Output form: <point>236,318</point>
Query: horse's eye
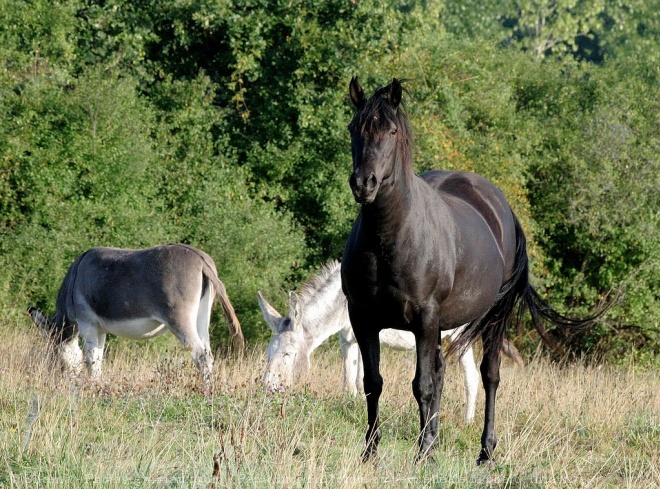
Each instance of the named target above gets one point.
<point>394,131</point>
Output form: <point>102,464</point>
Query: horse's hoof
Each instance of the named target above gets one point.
<point>369,455</point>
<point>426,458</point>
<point>483,458</point>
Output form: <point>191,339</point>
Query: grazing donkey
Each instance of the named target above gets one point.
<point>137,294</point>
<point>320,310</point>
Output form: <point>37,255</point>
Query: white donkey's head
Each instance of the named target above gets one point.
<point>288,351</point>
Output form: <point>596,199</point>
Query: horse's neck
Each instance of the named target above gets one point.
<point>325,313</point>
<point>393,205</point>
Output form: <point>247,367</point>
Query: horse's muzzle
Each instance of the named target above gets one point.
<point>364,188</point>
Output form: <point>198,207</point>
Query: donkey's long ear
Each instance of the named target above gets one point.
<point>40,319</point>
<point>295,310</point>
<point>356,92</point>
<point>272,317</point>
<point>395,92</point>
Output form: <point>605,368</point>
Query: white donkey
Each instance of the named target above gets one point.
<point>320,310</point>
<point>137,294</point>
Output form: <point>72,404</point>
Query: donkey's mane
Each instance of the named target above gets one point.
<point>310,289</point>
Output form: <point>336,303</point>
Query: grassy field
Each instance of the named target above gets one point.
<point>148,425</point>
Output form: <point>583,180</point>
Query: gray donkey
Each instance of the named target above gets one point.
<point>137,294</point>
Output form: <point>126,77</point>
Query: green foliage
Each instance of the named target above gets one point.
<point>593,194</point>
<point>223,124</point>
<point>75,174</point>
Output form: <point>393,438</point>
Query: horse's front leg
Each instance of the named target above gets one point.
<point>369,343</point>
<point>490,376</point>
<point>427,385</point>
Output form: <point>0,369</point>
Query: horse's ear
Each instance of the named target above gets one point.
<point>395,92</point>
<point>272,317</point>
<point>356,92</point>
<point>40,319</point>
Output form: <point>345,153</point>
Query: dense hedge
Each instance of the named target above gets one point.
<point>223,124</point>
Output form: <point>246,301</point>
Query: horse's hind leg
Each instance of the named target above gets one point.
<point>490,376</point>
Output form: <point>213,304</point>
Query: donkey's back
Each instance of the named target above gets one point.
<point>112,285</point>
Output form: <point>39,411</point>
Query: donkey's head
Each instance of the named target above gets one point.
<point>288,351</point>
<point>62,341</point>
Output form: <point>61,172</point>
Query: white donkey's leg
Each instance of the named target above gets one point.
<point>470,373</point>
<point>350,351</point>
<point>471,377</point>
<point>94,343</point>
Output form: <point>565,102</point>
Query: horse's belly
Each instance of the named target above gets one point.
<point>135,329</point>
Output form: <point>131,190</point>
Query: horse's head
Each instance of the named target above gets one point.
<point>379,139</point>
<point>62,341</point>
<point>288,351</point>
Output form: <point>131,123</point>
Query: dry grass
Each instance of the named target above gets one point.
<point>148,425</point>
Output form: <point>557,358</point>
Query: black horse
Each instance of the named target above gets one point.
<point>427,253</point>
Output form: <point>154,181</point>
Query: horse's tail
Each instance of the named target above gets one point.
<point>516,294</point>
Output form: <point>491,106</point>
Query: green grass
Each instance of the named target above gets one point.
<point>147,424</point>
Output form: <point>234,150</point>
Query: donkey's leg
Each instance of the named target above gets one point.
<point>183,324</point>
<point>94,343</point>
<point>369,343</point>
<point>203,321</point>
<point>71,356</point>
<point>471,381</point>
<point>490,376</point>
<point>350,351</point>
<point>427,385</point>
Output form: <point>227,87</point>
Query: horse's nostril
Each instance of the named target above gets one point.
<point>371,183</point>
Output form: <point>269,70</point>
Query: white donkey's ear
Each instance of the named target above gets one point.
<point>272,317</point>
<point>295,310</point>
<point>40,319</point>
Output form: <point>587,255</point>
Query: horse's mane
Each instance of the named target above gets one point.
<point>378,114</point>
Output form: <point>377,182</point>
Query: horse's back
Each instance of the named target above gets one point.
<point>482,196</point>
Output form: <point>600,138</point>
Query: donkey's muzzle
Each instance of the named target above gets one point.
<point>364,187</point>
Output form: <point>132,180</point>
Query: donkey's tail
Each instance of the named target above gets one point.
<point>238,342</point>
<point>515,295</point>
<point>512,352</point>
<point>211,273</point>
